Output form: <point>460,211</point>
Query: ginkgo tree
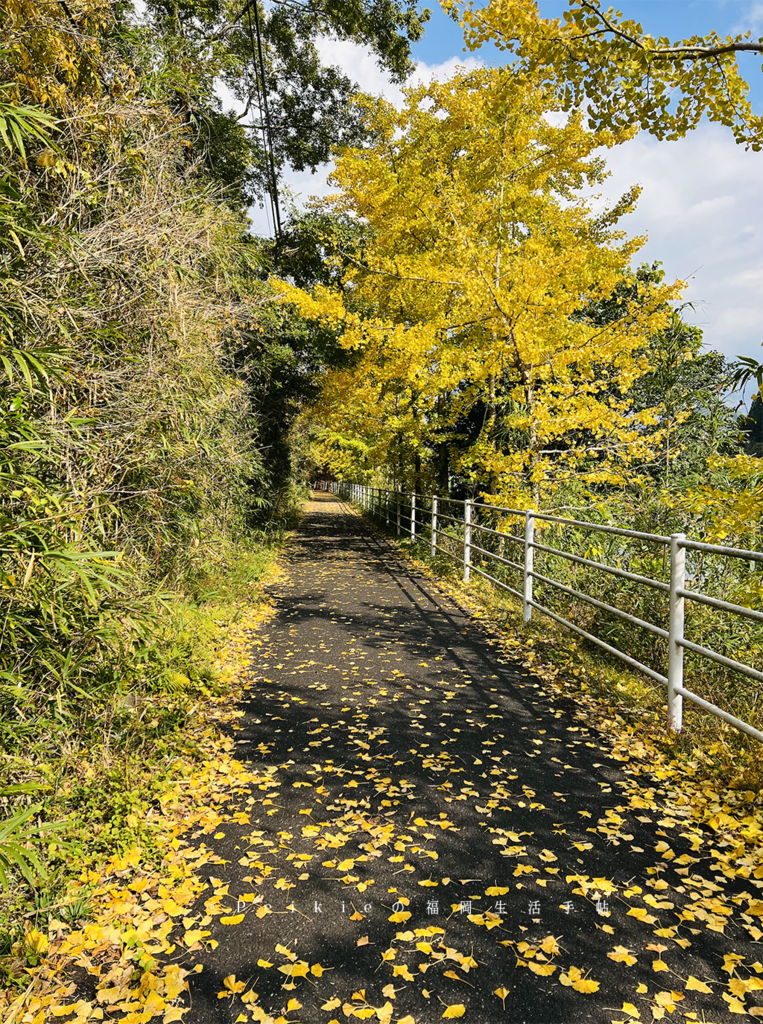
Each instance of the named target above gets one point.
<point>470,288</point>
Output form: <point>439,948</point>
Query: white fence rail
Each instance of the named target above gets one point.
<point>416,515</point>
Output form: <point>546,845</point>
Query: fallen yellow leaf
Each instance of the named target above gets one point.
<point>695,985</point>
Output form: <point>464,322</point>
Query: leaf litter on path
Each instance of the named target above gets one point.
<point>416,828</point>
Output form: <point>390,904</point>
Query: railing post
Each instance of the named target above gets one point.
<point>386,506</point>
<point>398,512</point>
<point>527,608</point>
<point>467,540</point>
<point>434,524</point>
<point>676,631</point>
<point>413,516</point>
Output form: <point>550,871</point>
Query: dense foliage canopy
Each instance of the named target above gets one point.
<point>620,73</point>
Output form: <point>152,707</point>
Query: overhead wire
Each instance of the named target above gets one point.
<point>262,102</point>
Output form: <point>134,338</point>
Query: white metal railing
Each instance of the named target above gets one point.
<point>416,514</point>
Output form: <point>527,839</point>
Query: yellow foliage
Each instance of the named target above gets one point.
<point>481,256</point>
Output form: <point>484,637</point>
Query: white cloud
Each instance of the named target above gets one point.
<point>750,21</point>
<point>360,65</point>
<point>702,211</point>
<point>711,206</point>
<point>701,206</point>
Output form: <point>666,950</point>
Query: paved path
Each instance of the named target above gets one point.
<point>432,825</point>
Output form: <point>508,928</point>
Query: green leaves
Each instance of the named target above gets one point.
<point>20,124</point>
<point>14,854</point>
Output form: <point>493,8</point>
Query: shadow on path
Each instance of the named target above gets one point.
<point>429,825</point>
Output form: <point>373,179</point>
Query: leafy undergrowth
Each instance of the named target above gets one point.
<point>124,790</point>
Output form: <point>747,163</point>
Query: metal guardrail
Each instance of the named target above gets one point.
<point>417,515</point>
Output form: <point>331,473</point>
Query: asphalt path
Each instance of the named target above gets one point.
<point>431,825</point>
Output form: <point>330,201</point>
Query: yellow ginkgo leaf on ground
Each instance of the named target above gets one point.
<point>384,1013</point>
<point>317,970</point>
<point>501,993</point>
<point>332,1004</point>
<point>659,965</point>
<point>232,985</point>
<point>631,1010</point>
<point>573,974</point>
<point>621,955</point>
<point>293,1004</point>
<point>695,985</point>
<point>264,964</point>
<point>666,999</point>
<point>407,1020</point>
<point>233,919</point>
<point>586,985</point>
<point>544,970</point>
<point>298,970</point>
<point>641,914</point>
<point>497,890</point>
<point>67,1008</point>
<point>401,971</point>
<point>574,979</point>
<point>456,1010</point>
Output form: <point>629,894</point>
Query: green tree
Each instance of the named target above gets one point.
<point>295,107</point>
<point>688,387</point>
